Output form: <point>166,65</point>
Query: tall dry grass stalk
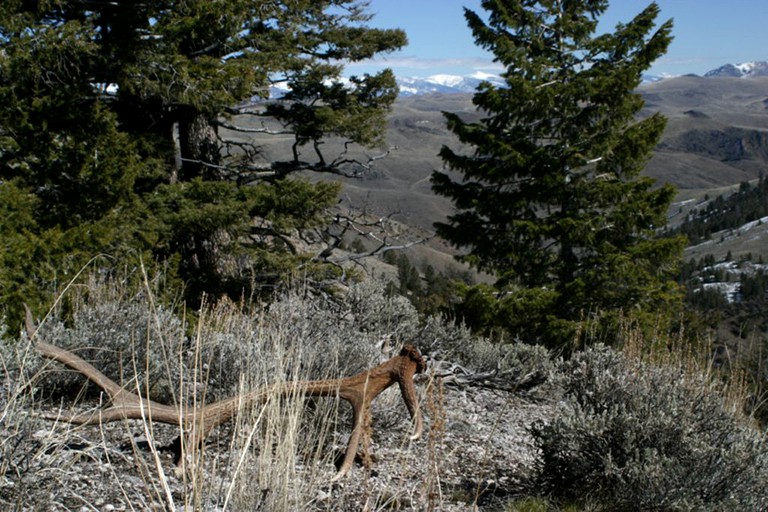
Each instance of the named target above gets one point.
<point>692,355</point>
<point>435,403</point>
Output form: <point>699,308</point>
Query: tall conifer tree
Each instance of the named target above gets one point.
<point>547,187</point>
<point>116,132</point>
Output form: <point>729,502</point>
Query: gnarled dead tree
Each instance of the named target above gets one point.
<point>197,422</point>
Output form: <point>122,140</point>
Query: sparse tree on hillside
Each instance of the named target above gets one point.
<point>550,197</point>
<point>117,134</point>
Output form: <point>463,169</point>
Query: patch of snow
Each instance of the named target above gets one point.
<point>749,225</point>
<point>408,90</point>
<point>725,265</point>
<point>729,290</point>
<point>446,80</point>
<point>745,67</point>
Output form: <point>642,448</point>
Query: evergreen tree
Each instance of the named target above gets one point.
<point>117,132</point>
<point>550,199</point>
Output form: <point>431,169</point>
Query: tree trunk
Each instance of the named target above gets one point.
<point>199,148</point>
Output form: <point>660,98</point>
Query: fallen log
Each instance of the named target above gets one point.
<point>196,422</point>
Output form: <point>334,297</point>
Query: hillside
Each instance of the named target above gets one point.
<point>716,138</point>
<point>716,133</point>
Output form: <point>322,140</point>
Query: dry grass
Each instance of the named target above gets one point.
<point>277,455</point>
<point>692,356</point>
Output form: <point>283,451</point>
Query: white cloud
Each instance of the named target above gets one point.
<point>477,63</point>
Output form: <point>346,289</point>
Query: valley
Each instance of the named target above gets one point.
<point>716,138</point>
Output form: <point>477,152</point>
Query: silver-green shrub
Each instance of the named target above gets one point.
<point>123,335</point>
<point>230,348</point>
<point>631,436</point>
<point>302,336</point>
<point>508,364</point>
<point>132,340</point>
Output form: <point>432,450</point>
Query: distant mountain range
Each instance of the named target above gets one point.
<point>449,84</point>
<point>457,84</point>
<point>743,70</point>
<point>454,84</point>
<point>435,84</point>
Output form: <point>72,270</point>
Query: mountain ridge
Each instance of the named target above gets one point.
<point>457,84</point>
<point>752,69</point>
<point>447,83</point>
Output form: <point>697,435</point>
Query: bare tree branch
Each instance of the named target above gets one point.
<point>263,129</point>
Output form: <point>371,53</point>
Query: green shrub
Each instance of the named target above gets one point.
<point>632,436</point>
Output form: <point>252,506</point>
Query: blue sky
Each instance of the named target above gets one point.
<point>708,34</point>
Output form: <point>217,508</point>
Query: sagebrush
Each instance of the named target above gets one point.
<point>634,436</point>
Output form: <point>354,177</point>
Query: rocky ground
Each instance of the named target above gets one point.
<point>473,455</point>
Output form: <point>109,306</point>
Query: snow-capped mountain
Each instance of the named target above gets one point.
<point>649,79</point>
<point>410,86</point>
<point>456,84</point>
<point>446,84</point>
<point>743,70</point>
<point>453,84</point>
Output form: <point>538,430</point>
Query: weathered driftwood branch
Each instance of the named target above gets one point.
<point>197,422</point>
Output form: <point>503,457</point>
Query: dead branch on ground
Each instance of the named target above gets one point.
<point>198,421</point>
